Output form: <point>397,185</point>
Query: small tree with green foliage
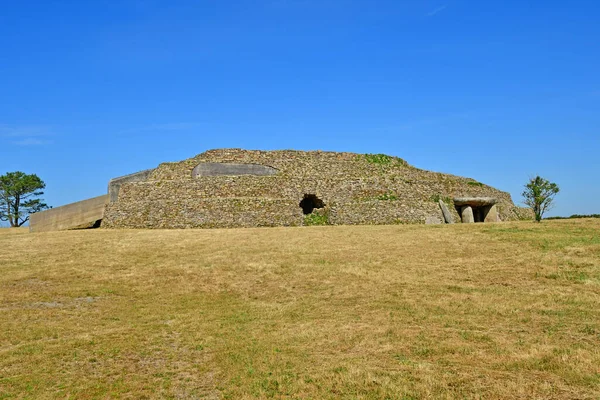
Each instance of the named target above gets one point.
<point>539,195</point>
<point>19,197</point>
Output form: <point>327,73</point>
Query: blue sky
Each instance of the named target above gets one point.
<point>497,91</point>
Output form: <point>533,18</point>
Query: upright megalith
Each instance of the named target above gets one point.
<point>466,214</point>
<point>446,212</point>
<point>491,214</point>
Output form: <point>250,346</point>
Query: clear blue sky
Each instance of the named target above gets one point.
<point>494,90</point>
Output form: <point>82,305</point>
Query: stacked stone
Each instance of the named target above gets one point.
<point>355,188</point>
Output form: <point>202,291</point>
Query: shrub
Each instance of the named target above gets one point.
<point>316,218</point>
<point>539,195</point>
<point>437,197</point>
<point>475,183</point>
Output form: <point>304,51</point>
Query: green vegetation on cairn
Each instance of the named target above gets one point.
<point>387,196</point>
<point>383,159</point>
<point>316,219</point>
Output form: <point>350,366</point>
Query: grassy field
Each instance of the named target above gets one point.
<point>506,310</point>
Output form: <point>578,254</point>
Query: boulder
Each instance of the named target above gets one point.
<point>492,214</point>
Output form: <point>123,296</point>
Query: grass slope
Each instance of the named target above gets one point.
<point>376,312</point>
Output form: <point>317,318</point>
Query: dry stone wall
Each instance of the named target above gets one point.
<point>355,188</point>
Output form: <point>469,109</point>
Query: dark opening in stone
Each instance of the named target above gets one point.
<point>478,214</point>
<point>310,202</point>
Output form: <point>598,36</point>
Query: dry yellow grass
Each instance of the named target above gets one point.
<point>384,312</point>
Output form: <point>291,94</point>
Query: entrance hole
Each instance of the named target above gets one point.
<point>310,202</point>
<point>478,214</point>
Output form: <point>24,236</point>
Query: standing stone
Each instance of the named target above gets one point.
<point>447,216</point>
<point>467,215</point>
<point>492,215</point>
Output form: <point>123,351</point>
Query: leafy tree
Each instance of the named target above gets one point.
<point>539,195</point>
<point>19,197</point>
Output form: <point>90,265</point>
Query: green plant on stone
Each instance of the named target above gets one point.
<point>384,159</point>
<point>387,196</point>
<point>379,158</point>
<point>475,183</point>
<point>437,197</point>
<point>316,218</point>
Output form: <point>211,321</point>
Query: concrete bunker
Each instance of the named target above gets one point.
<point>310,202</point>
<point>231,169</point>
<point>476,209</point>
<point>114,185</point>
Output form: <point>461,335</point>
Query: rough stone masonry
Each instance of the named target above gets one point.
<point>229,188</point>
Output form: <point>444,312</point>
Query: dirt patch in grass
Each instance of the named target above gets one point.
<point>506,310</point>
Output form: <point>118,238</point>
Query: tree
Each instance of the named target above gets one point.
<point>19,197</point>
<point>539,195</point>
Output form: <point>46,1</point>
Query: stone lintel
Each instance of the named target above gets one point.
<point>475,201</point>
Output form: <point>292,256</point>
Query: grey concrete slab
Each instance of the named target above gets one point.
<point>232,169</point>
<point>82,214</point>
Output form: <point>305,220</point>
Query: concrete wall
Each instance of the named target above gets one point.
<point>232,169</point>
<point>83,214</point>
<point>114,186</point>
